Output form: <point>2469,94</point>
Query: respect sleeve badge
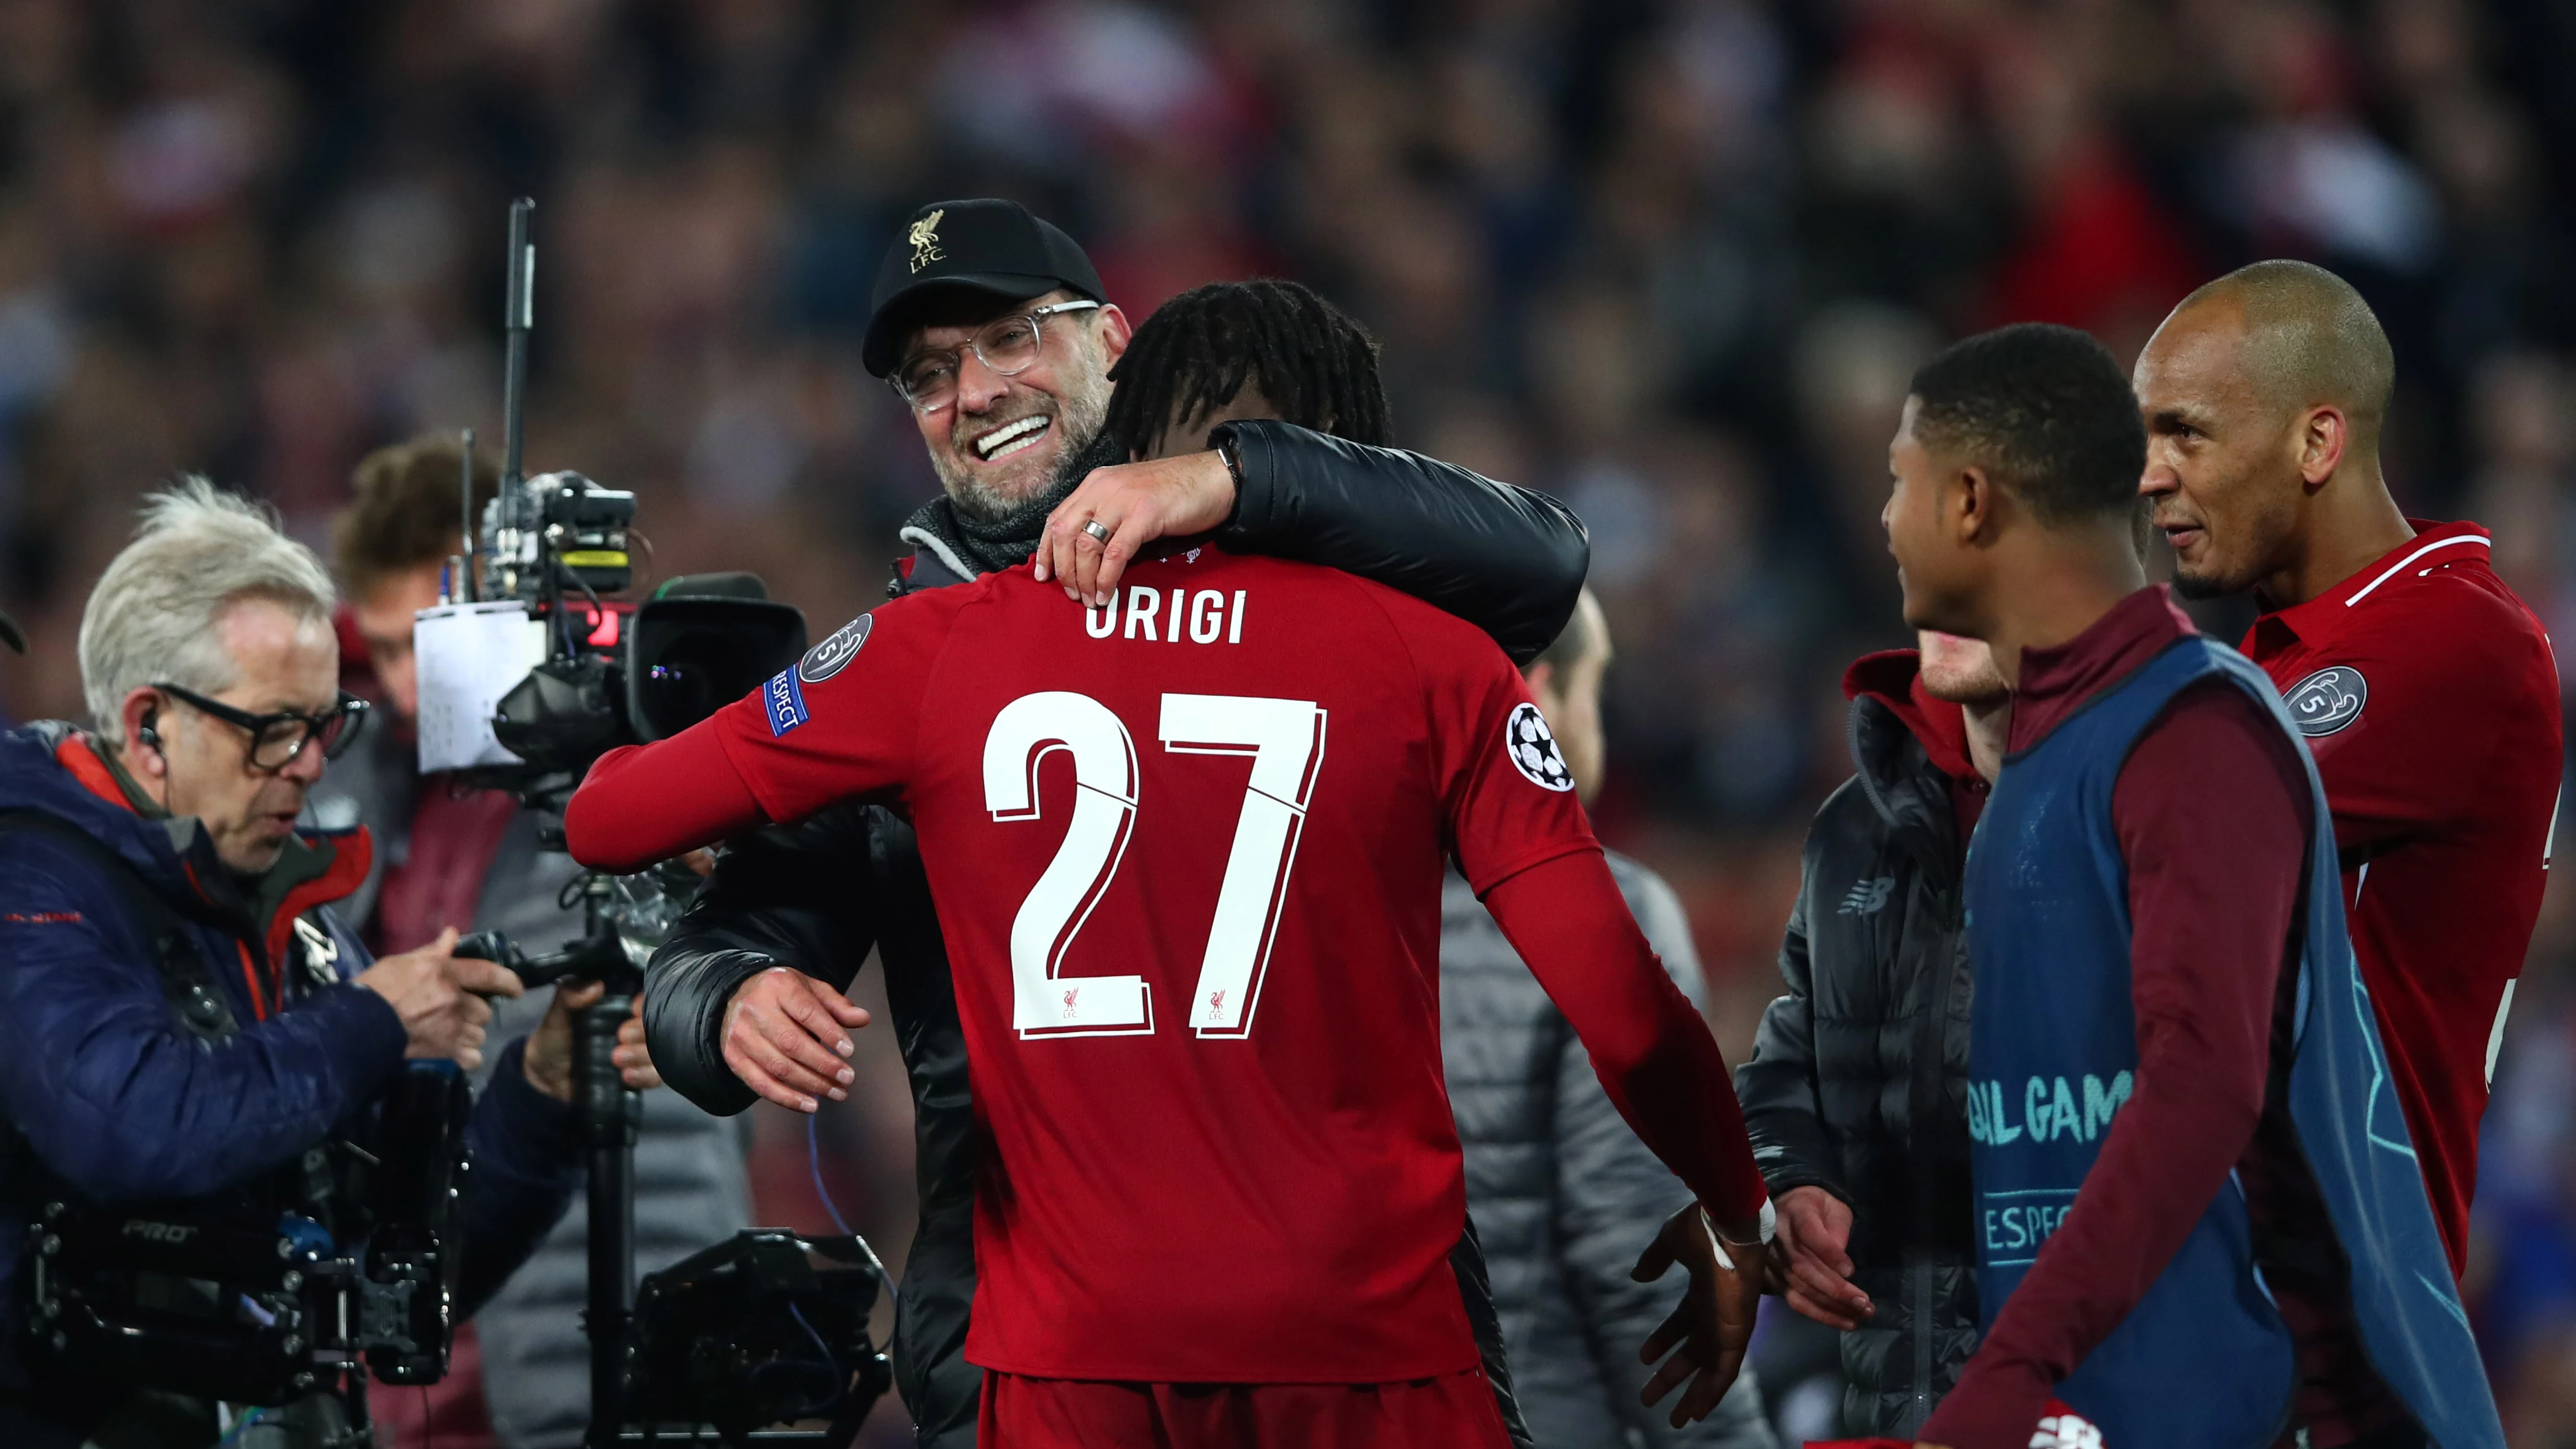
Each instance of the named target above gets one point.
<point>784,699</point>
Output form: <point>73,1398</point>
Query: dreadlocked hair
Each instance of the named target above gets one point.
<point>1314,364</point>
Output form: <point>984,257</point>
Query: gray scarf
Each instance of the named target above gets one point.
<point>976,546</point>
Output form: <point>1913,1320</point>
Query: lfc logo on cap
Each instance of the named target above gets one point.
<point>925,240</point>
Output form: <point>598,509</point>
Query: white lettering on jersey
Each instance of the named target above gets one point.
<point>1142,603</point>
<point>1206,616</point>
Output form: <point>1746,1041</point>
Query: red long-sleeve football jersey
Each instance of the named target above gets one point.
<point>2428,695</point>
<point>1187,854</point>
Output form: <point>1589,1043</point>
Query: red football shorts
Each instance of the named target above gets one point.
<point>1456,1411</point>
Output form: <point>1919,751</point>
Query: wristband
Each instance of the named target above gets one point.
<point>1770,1225</point>
<point>1225,452</point>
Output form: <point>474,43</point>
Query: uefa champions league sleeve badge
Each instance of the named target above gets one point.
<point>1533,749</point>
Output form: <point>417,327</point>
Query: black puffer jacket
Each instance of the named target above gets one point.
<point>819,894</point>
<point>1858,1082</point>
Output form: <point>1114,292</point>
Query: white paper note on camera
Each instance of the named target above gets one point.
<point>465,657</point>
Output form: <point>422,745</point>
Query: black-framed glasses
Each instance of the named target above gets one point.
<point>277,740</point>
<point>1006,346</point>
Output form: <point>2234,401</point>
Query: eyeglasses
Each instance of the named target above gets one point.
<point>278,740</point>
<point>1006,346</point>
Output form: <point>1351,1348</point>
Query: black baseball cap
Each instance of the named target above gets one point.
<point>983,245</point>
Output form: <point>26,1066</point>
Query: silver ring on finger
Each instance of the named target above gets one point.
<point>1096,529</point>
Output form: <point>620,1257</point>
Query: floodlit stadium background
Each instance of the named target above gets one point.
<point>1672,262</point>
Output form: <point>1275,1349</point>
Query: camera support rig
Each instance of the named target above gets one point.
<point>631,674</point>
<point>607,1114</point>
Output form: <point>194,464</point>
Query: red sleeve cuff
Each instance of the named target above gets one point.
<point>1997,1405</point>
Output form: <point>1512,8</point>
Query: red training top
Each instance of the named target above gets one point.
<point>2212,814</point>
<point>1187,853</point>
<point>2428,695</point>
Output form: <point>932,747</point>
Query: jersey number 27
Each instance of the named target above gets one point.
<point>1284,737</point>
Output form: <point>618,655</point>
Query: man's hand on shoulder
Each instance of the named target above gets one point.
<point>439,996</point>
<point>786,1035</point>
<point>1187,493</point>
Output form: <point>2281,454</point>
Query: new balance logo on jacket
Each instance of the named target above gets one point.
<point>1867,897</point>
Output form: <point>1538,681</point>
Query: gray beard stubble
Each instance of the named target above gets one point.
<point>1077,419</point>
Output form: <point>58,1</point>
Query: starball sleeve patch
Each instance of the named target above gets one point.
<point>1527,739</point>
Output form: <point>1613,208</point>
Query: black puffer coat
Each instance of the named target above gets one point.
<point>1858,1082</point>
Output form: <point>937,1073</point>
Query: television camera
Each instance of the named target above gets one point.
<point>530,670</point>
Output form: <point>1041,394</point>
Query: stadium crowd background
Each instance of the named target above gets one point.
<point>1673,262</point>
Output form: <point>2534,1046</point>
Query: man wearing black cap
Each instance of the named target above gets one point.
<point>993,326</point>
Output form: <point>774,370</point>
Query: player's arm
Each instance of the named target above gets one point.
<point>1650,1048</point>
<point>2210,812</point>
<point>642,804</point>
<point>1523,843</point>
<point>1613,1196</point>
<point>840,725</point>
<point>1507,560</point>
<point>1662,1070</point>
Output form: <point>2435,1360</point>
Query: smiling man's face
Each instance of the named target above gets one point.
<point>1002,441</point>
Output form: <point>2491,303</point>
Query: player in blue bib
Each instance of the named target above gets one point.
<point>2199,1218</point>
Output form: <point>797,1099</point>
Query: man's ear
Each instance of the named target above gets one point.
<point>1114,334</point>
<point>2323,434</point>
<point>1540,677</point>
<point>140,713</point>
<point>1969,503</point>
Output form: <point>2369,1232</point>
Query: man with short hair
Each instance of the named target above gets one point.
<point>995,329</point>
<point>1563,1194</point>
<point>469,859</point>
<point>2198,1221</point>
<point>182,1014</point>
<point>2424,688</point>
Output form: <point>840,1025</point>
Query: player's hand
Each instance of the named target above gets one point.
<point>787,1036</point>
<point>1808,1250</point>
<point>1138,503</point>
<point>439,996</point>
<point>1706,1335</point>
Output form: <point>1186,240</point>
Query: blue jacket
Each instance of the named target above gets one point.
<point>125,1105</point>
<point>2204,1358</point>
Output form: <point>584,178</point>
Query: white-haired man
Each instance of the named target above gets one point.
<point>181,1015</point>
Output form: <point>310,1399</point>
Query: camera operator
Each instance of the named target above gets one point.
<point>183,1020</point>
<point>994,327</point>
<point>469,859</point>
